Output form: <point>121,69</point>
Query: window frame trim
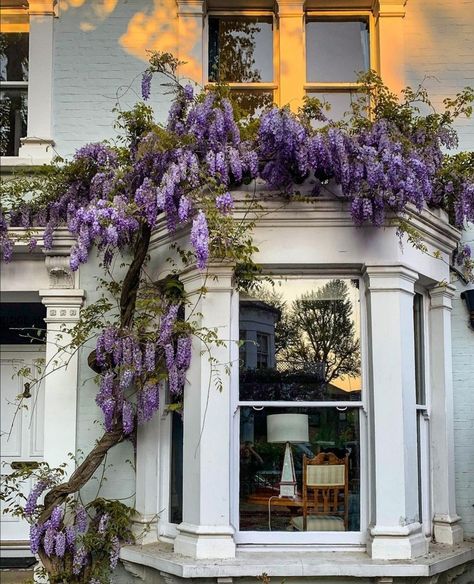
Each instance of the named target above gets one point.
<point>331,540</point>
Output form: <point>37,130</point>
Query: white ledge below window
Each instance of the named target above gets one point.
<point>249,563</point>
<point>11,163</point>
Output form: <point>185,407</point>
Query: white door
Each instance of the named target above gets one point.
<point>22,428</point>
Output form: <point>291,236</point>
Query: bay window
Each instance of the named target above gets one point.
<point>241,54</point>
<point>309,330</point>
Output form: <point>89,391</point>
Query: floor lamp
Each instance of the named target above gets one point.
<point>289,429</point>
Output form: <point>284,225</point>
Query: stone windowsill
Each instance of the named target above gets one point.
<point>160,556</point>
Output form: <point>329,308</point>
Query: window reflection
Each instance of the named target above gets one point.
<point>309,332</point>
<point>333,442</point>
<point>240,49</point>
<point>337,50</point>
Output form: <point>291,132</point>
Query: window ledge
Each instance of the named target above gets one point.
<point>11,163</point>
<point>160,556</point>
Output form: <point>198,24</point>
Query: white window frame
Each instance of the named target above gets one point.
<point>423,413</point>
<point>272,86</point>
<point>325,539</point>
<point>333,87</point>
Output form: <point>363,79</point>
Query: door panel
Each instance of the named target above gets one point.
<point>22,428</point>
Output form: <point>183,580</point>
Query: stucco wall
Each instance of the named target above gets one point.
<point>440,43</point>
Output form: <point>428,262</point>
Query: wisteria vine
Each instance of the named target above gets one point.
<point>111,198</point>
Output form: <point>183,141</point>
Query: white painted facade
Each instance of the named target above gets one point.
<point>85,54</point>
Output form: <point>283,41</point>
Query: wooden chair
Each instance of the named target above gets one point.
<point>325,494</point>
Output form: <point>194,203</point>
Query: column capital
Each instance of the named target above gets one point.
<point>63,305</point>
<point>218,278</point>
<point>59,272</point>
<point>42,7</point>
<point>191,7</point>
<point>390,278</point>
<point>389,8</point>
<point>290,8</point>
<point>442,295</point>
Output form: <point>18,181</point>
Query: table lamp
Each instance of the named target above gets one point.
<point>286,428</point>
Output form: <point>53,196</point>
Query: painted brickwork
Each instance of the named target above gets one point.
<point>440,43</point>
<point>99,54</point>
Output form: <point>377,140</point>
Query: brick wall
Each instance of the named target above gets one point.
<point>440,43</point>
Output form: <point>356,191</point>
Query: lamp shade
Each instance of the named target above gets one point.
<point>287,428</point>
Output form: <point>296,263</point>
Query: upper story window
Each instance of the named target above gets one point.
<point>241,54</point>
<point>337,50</point>
<point>13,90</point>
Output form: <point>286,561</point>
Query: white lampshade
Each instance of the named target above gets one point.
<point>287,428</point>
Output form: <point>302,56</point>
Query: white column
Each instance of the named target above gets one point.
<point>395,532</point>
<point>63,306</point>
<point>206,531</point>
<point>190,39</point>
<point>146,502</point>
<point>38,142</point>
<point>445,521</point>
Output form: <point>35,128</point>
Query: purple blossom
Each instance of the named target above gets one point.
<point>31,502</point>
<point>200,240</point>
<point>183,352</point>
<point>167,323</point>
<point>81,519</point>
<point>60,544</point>
<point>146,85</point>
<point>36,532</point>
<point>103,523</point>
<point>225,203</point>
<point>188,92</point>
<point>149,358</point>
<point>114,552</point>
<point>147,402</point>
<point>79,560</point>
<point>70,537</point>
<point>49,540</point>
<point>56,517</point>
<point>127,417</point>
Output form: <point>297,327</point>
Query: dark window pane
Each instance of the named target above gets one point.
<point>22,323</point>
<point>176,486</point>
<point>13,118</point>
<point>240,49</point>
<point>14,56</point>
<point>313,331</point>
<point>336,49</point>
<point>262,456</point>
<point>419,338</point>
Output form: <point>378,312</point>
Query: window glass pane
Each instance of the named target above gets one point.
<point>340,102</point>
<point>419,349</point>
<point>14,56</point>
<point>22,323</point>
<point>176,487</point>
<point>13,117</point>
<point>240,49</point>
<point>251,102</point>
<point>310,432</point>
<point>313,341</point>
<point>336,49</point>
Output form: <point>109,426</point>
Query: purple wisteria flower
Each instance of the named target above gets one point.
<point>81,519</point>
<point>79,560</point>
<point>167,323</point>
<point>48,541</point>
<point>103,523</point>
<point>146,85</point>
<point>114,552</point>
<point>127,417</point>
<point>200,240</point>
<point>225,202</point>
<point>60,544</point>
<point>32,500</point>
<point>36,533</point>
